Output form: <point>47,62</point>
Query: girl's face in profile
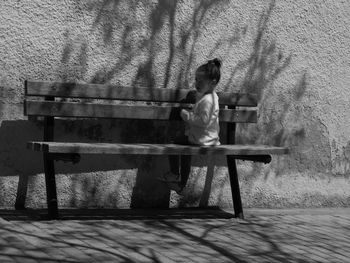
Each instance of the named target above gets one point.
<point>203,84</point>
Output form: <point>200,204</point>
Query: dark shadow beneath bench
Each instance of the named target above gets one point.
<point>118,214</point>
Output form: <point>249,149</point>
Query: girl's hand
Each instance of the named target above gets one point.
<point>185,115</point>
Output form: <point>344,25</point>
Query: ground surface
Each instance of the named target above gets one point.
<point>297,235</point>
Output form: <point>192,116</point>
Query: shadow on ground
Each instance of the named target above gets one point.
<point>118,214</point>
<point>271,237</point>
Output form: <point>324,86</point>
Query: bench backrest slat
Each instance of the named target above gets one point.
<point>97,110</point>
<point>114,92</point>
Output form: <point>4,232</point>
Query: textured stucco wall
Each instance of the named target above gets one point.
<point>294,54</point>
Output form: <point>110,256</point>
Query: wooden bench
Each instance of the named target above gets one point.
<point>166,105</point>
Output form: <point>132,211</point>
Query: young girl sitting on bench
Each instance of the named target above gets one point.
<point>202,124</point>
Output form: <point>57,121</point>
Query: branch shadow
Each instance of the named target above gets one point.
<point>257,74</point>
<point>269,238</point>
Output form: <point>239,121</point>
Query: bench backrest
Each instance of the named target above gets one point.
<point>106,101</point>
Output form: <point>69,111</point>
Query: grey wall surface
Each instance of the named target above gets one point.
<point>293,54</point>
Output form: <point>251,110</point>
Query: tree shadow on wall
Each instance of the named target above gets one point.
<point>118,22</point>
<point>280,121</point>
<point>139,43</point>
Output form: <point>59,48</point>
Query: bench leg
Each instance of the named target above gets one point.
<point>21,192</point>
<point>50,181</point>
<point>236,194</point>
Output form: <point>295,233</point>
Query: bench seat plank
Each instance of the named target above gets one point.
<point>153,149</point>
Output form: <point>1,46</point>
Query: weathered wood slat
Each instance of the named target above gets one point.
<point>154,149</point>
<point>114,92</point>
<point>94,110</point>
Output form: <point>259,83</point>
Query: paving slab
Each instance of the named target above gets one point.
<point>265,235</point>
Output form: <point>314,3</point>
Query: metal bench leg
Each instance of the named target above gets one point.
<point>236,194</point>
<point>51,193</point>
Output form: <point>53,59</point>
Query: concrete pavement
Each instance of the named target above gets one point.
<point>265,235</point>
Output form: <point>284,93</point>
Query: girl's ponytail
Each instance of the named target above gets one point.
<point>216,62</point>
<point>213,69</point>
